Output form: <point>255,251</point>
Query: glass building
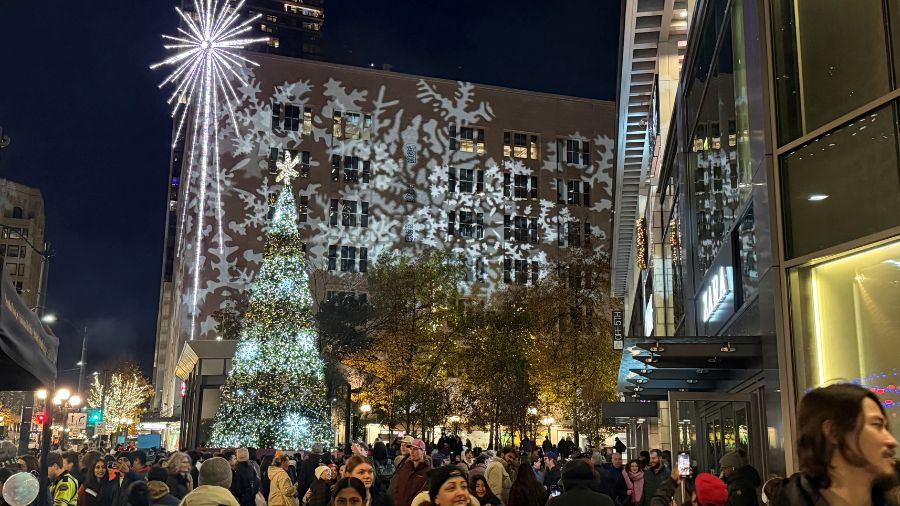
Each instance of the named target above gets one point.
<point>768,258</point>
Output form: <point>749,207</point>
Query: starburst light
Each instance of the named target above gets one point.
<point>205,61</point>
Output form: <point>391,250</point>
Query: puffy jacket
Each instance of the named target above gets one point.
<point>498,478</point>
<point>209,495</point>
<point>652,482</point>
<point>281,491</point>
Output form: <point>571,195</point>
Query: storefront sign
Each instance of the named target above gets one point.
<point>715,293</point>
<point>618,318</point>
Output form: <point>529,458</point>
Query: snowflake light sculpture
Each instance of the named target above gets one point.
<point>204,62</point>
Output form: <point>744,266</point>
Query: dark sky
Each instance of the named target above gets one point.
<point>90,128</point>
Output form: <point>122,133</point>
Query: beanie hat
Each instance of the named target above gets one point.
<point>710,490</point>
<point>157,473</point>
<point>243,455</point>
<point>440,476</point>
<point>733,459</point>
<point>321,469</point>
<point>215,471</point>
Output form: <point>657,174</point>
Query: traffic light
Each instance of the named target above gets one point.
<point>94,416</point>
<point>40,418</point>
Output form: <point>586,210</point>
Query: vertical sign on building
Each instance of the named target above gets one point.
<point>618,330</point>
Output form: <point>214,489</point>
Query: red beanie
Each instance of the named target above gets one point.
<point>711,491</point>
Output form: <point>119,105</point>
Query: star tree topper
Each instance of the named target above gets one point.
<point>286,170</point>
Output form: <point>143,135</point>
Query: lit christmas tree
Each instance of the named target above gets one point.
<point>274,396</point>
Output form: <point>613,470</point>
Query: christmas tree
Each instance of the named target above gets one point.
<point>274,396</point>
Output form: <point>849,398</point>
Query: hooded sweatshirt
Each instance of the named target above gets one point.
<point>159,494</point>
<point>209,495</point>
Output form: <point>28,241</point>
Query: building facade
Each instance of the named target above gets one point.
<point>22,245</point>
<point>507,180</point>
<point>767,258</point>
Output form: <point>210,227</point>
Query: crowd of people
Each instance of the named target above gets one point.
<point>846,456</point>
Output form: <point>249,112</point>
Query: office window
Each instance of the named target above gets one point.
<point>451,222</point>
<point>535,271</point>
<point>574,233</point>
<point>11,268</point>
<point>470,140</point>
<point>507,227</point>
<point>466,180</point>
<point>520,226</point>
<point>520,145</point>
<point>291,117</point>
<point>21,269</point>
<point>364,215</point>
<point>560,191</point>
<point>337,119</point>
<point>18,287</point>
<point>332,257</point>
<point>277,113</point>
<point>348,258</point>
<point>533,151</point>
<point>307,120</point>
<point>363,260</point>
<point>586,194</point>
<point>335,167</point>
<point>304,208</point>
<point>479,225</point>
<point>533,230</point>
<point>479,181</point>
<point>521,271</point>
<point>304,164</point>
<point>507,270</point>
<point>451,179</point>
<point>578,152</point>
<point>2,250</point>
<point>480,269</point>
<point>348,213</point>
<point>367,127</point>
<point>333,213</point>
<point>521,186</point>
<point>507,182</point>
<point>574,193</point>
<point>351,169</point>
<point>466,224</point>
<point>352,125</point>
<point>13,250</point>
<point>366,171</point>
<point>587,234</point>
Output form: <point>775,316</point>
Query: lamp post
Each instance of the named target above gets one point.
<point>51,318</point>
<point>66,400</point>
<point>548,421</point>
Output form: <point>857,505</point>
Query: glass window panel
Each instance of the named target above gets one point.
<point>746,239</point>
<point>844,317</point>
<point>843,185</point>
<point>830,58</point>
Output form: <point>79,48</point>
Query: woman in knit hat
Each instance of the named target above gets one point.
<point>319,493</point>
<point>447,486</point>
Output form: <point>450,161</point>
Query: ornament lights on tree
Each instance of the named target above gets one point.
<point>205,61</point>
<point>275,395</point>
<point>126,393</point>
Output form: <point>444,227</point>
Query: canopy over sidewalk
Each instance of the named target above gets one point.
<point>27,351</point>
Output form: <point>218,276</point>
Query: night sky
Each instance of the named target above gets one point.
<point>90,128</point>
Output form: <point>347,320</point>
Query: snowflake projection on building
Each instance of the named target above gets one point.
<point>205,61</point>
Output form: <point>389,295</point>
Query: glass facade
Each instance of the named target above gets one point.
<point>845,318</point>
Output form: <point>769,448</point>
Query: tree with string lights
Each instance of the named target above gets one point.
<point>275,394</point>
<point>123,397</point>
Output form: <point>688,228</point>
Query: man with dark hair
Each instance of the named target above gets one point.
<point>654,475</point>
<point>552,475</point>
<point>139,463</point>
<point>499,473</point>
<point>578,482</point>
<point>307,472</point>
<point>116,493</point>
<point>845,449</point>
<point>63,487</point>
<point>244,483</point>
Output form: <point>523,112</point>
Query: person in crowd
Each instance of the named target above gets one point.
<point>526,490</point>
<point>214,481</point>
<point>411,476</point>
<point>547,446</point>
<point>97,479</point>
<point>634,482</point>
<point>578,480</point>
<point>139,494</point>
<point>619,446</point>
<point>196,461</point>
<point>497,473</point>
<point>349,492</point>
<point>705,490</point>
<point>479,466</point>
<point>307,475</point>
<point>264,482</point>
<point>5,474</point>
<point>537,467</point>
<point>447,486</point>
<point>88,461</point>
<point>179,480</point>
<point>160,495</point>
<point>405,443</point>
<point>654,475</point>
<point>120,479</point>
<point>740,477</point>
<point>70,464</point>
<point>281,491</point>
<point>479,487</point>
<point>244,484</point>
<point>613,479</point>
<point>139,463</point>
<point>384,466</point>
<point>644,458</point>
<point>29,464</point>
<point>846,452</point>
<point>319,493</point>
<point>292,469</point>
<point>63,486</point>
<point>468,458</point>
<point>360,468</point>
<point>552,471</point>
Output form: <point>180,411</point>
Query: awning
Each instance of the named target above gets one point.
<point>651,368</point>
<point>27,351</point>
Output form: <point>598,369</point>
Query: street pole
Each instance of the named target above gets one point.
<point>25,426</point>
<point>43,496</point>
<point>349,413</point>
<point>84,338</point>
<point>104,388</point>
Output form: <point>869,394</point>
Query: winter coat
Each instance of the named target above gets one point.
<point>551,477</point>
<point>160,496</point>
<point>180,484</point>
<point>91,497</point>
<point>742,486</point>
<point>320,493</point>
<point>546,445</point>
<point>408,481</point>
<point>281,491</point>
<point>614,483</point>
<point>580,495</point>
<point>635,484</point>
<point>244,484</point>
<point>498,478</point>
<point>380,498</point>
<point>115,493</point>
<point>663,494</point>
<point>209,495</point>
<point>652,482</point>
<point>307,474</point>
<point>800,491</point>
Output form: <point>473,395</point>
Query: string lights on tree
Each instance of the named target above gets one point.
<point>275,394</point>
<point>125,396</point>
<point>205,61</point>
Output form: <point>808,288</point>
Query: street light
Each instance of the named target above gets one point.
<point>365,408</point>
<point>41,394</point>
<point>548,421</point>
